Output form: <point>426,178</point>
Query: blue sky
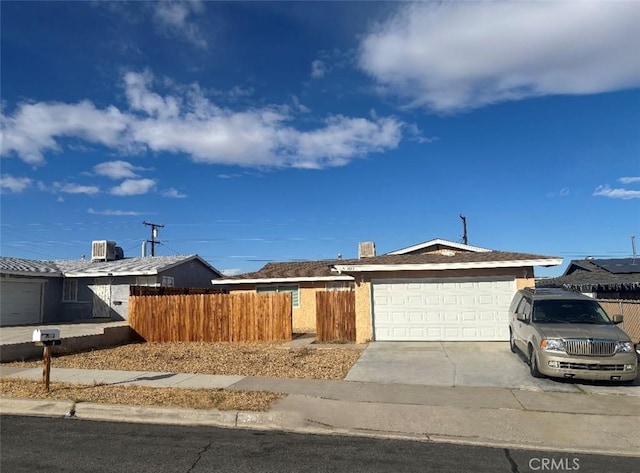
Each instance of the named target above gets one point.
<point>266,131</point>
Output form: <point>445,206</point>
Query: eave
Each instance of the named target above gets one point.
<point>446,266</point>
<point>220,282</point>
<point>439,241</point>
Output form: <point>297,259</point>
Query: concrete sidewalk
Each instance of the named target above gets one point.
<point>576,422</point>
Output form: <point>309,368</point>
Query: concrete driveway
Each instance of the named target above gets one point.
<point>473,364</point>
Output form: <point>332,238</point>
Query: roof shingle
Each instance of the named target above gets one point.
<point>322,269</point>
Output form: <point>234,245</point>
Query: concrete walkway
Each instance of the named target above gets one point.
<point>16,342</point>
<point>576,422</point>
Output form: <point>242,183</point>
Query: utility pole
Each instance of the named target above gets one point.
<point>154,235</point>
<point>464,229</point>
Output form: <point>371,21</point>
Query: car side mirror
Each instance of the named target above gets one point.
<point>617,319</point>
<point>521,317</point>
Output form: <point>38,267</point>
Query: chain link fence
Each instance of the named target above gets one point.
<point>630,310</point>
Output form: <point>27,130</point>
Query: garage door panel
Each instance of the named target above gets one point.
<point>486,299</point>
<point>20,302</point>
<point>430,300</point>
<point>442,310</point>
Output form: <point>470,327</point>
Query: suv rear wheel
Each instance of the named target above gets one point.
<point>533,364</point>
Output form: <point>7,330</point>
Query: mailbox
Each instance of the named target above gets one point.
<point>46,336</point>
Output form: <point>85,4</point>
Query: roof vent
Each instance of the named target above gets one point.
<point>366,249</point>
<point>447,252</point>
<point>103,250</point>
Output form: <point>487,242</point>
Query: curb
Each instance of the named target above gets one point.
<point>143,414</point>
<point>271,420</point>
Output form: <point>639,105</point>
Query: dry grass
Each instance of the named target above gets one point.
<point>244,359</point>
<point>140,395</point>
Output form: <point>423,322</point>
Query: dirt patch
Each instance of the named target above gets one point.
<point>244,359</point>
<point>141,395</point>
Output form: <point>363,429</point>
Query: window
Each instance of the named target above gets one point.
<point>525,308</point>
<point>70,290</point>
<point>294,290</point>
<point>146,281</point>
<point>167,281</point>
<point>340,286</point>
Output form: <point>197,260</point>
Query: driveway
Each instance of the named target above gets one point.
<point>486,364</point>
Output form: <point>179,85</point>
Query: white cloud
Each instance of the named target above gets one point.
<point>230,95</point>
<point>237,92</point>
<point>118,213</point>
<point>564,192</point>
<point>416,134</point>
<point>342,138</point>
<point>75,188</point>
<point>300,107</point>
<point>231,271</point>
<point>174,194</point>
<point>318,69</point>
<point>133,187</point>
<point>9,183</point>
<point>606,191</point>
<point>629,180</point>
<point>187,123</point>
<point>460,55</point>
<point>34,127</point>
<point>175,18</point>
<point>117,169</point>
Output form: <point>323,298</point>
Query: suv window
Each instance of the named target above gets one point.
<point>524,308</point>
<point>569,312</point>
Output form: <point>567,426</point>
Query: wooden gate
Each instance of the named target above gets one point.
<point>336,316</point>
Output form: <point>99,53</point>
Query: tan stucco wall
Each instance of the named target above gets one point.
<point>364,329</point>
<point>304,317</point>
<point>525,282</point>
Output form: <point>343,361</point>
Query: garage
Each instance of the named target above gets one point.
<point>20,302</point>
<point>447,309</point>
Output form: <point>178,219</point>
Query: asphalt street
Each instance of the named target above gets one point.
<point>62,445</point>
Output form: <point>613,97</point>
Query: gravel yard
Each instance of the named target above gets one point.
<point>245,359</point>
<point>141,395</point>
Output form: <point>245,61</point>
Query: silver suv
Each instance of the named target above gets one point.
<point>567,334</point>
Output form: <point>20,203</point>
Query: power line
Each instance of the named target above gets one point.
<point>168,247</point>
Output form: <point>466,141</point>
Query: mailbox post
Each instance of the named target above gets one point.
<point>46,338</point>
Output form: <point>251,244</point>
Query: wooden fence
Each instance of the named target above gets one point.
<point>630,310</point>
<point>335,316</point>
<point>212,317</point>
<point>172,291</point>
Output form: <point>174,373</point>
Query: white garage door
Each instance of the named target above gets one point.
<point>20,302</point>
<point>450,309</point>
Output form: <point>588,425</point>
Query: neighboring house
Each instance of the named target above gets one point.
<point>612,278</point>
<point>33,292</point>
<point>433,291</point>
<point>30,291</point>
